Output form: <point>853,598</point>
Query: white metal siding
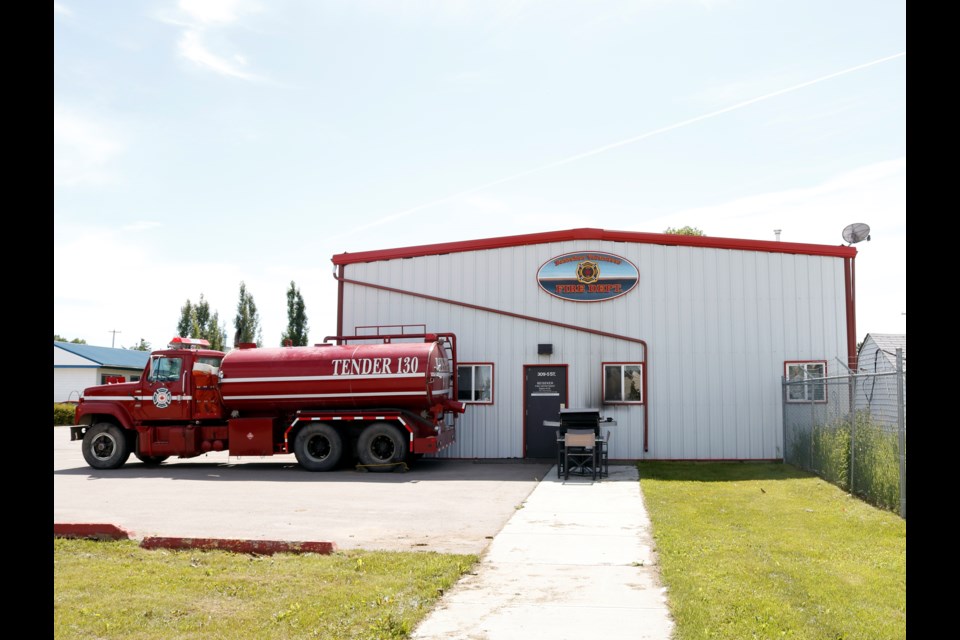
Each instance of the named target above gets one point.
<point>718,323</point>
<point>68,384</point>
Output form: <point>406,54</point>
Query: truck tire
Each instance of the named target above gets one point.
<point>380,446</point>
<point>318,447</point>
<point>105,446</point>
<point>150,461</point>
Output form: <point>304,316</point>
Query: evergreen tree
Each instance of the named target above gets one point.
<point>297,329</point>
<point>58,338</point>
<point>247,320</point>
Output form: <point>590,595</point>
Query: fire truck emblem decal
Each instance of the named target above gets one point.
<point>162,398</point>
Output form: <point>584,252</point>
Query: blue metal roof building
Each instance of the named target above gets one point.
<point>78,366</point>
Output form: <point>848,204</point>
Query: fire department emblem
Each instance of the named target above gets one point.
<point>162,398</point>
<point>588,272</point>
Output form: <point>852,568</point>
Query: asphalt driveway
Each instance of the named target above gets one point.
<point>450,506</point>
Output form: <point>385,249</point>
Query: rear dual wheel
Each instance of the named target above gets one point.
<point>381,446</point>
<point>318,447</point>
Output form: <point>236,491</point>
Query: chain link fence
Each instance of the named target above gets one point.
<point>851,431</point>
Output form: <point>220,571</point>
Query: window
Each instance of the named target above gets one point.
<point>798,387</point>
<point>165,369</point>
<point>475,383</point>
<point>623,383</point>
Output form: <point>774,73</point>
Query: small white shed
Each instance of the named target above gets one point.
<point>78,366</point>
<point>877,389</point>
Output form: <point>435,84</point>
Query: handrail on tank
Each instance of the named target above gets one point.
<point>449,338</point>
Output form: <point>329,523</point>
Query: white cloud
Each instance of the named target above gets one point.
<point>142,225</point>
<point>204,22</point>
<point>84,149</point>
<point>192,47</point>
<point>93,298</point>
<point>62,9</point>
<point>211,12</point>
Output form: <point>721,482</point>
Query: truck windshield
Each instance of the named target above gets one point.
<point>165,369</point>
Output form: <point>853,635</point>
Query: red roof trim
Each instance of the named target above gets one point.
<point>771,246</point>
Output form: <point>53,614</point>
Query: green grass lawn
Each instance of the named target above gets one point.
<point>756,550</point>
<point>115,589</point>
<point>746,550</point>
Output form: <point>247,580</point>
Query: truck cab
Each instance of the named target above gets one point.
<point>177,387</point>
<point>171,387</point>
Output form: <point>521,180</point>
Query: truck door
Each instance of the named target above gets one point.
<point>165,394</point>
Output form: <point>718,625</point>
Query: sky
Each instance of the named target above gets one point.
<point>201,144</point>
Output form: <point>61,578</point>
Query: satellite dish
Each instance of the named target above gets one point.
<point>856,232</point>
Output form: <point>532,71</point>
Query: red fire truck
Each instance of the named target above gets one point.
<point>383,404</point>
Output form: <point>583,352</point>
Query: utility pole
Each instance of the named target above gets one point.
<point>114,338</point>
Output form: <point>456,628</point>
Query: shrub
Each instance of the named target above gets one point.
<point>63,413</point>
<point>825,449</point>
<point>876,460</point>
<point>831,452</point>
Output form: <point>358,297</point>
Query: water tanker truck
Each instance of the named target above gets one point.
<point>381,401</point>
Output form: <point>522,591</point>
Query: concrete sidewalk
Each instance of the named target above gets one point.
<point>576,561</point>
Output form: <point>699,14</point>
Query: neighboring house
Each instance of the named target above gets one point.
<point>878,393</point>
<point>78,366</point>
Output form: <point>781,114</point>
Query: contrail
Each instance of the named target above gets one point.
<point>614,145</point>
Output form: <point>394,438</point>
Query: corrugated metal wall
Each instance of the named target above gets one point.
<point>718,324</point>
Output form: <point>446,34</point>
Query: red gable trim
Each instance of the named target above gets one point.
<point>770,246</point>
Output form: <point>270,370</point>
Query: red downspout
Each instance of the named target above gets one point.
<point>850,287</point>
<point>339,280</point>
<point>646,405</point>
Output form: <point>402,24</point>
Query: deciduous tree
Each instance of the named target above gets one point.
<point>196,321</point>
<point>143,345</point>
<point>685,231</point>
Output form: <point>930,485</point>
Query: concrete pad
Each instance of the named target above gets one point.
<point>577,560</point>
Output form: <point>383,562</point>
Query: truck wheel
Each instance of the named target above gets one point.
<point>150,461</point>
<point>318,447</point>
<point>105,446</point>
<point>381,445</point>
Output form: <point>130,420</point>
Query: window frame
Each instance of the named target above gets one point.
<point>809,388</point>
<point>622,366</point>
<point>473,391</point>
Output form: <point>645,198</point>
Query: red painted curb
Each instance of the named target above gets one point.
<point>98,531</point>
<point>260,547</point>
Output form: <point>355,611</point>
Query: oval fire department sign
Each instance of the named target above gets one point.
<point>588,276</point>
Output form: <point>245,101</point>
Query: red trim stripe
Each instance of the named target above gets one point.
<point>770,246</point>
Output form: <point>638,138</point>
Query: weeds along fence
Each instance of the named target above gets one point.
<point>851,431</point>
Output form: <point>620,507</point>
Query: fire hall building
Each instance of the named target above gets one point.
<point>682,340</point>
